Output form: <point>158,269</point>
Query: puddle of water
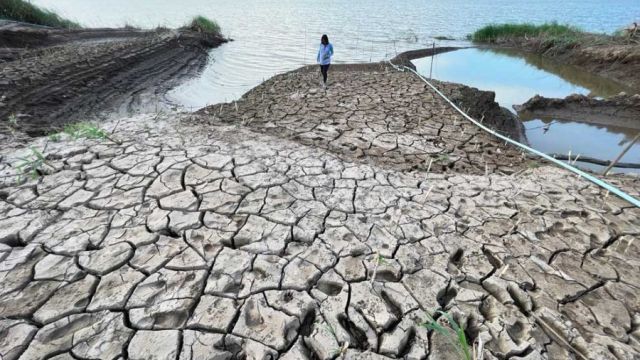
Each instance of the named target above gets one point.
<point>585,140</point>
<point>516,77</point>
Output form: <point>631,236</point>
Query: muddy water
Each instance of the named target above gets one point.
<point>516,77</point>
<point>274,36</point>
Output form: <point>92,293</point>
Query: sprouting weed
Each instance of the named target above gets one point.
<point>450,330</point>
<point>342,350</point>
<point>55,137</point>
<point>31,165</point>
<point>13,120</point>
<point>442,158</point>
<point>378,260</point>
<point>329,328</point>
<point>85,130</point>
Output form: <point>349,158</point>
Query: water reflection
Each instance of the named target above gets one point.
<point>601,142</point>
<point>596,85</point>
<point>516,77</point>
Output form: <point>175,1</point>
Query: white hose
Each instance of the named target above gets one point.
<point>581,173</point>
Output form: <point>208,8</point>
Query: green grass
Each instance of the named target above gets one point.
<point>204,25</point>
<point>20,10</point>
<point>85,130</point>
<point>452,332</point>
<point>32,165</point>
<point>505,32</point>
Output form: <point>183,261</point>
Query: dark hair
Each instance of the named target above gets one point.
<point>324,40</point>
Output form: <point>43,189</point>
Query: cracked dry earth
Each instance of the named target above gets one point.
<point>187,241</point>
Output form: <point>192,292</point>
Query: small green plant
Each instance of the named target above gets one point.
<point>24,11</point>
<point>55,137</point>
<point>204,25</point>
<point>451,331</point>
<point>13,120</point>
<point>442,158</point>
<point>533,164</point>
<point>85,130</point>
<point>551,31</point>
<point>32,165</point>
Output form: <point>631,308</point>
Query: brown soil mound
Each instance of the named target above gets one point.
<point>50,76</point>
<point>622,110</point>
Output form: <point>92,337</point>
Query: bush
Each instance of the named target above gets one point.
<point>504,32</point>
<point>23,11</point>
<point>204,25</point>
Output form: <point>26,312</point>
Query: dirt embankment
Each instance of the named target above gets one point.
<point>479,104</point>
<point>615,58</point>
<point>49,77</point>
<point>622,110</point>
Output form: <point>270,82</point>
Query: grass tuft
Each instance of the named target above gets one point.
<point>23,11</point>
<point>32,165</point>
<point>451,331</point>
<point>204,25</point>
<point>504,32</point>
<point>85,130</point>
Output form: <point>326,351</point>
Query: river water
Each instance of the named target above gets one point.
<point>273,36</point>
<point>516,77</point>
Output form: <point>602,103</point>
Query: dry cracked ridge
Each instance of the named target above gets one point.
<point>221,242</point>
<point>382,117</point>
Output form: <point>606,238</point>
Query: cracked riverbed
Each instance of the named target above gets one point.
<point>299,224</point>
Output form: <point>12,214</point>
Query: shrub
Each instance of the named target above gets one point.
<point>204,25</point>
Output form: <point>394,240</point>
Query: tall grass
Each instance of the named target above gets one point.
<point>204,25</point>
<point>20,10</point>
<point>504,32</point>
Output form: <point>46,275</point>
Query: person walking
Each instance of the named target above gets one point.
<point>324,58</point>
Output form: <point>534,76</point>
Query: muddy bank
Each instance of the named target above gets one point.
<point>610,57</point>
<point>50,77</point>
<point>479,104</point>
<point>622,110</point>
<point>373,113</point>
<point>404,59</point>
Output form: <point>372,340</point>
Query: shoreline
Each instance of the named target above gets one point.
<point>610,59</point>
<point>52,77</point>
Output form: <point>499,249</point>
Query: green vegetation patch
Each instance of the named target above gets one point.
<point>450,330</point>
<point>85,130</point>
<point>504,32</point>
<point>23,11</point>
<point>204,25</point>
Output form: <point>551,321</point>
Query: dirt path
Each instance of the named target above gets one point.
<point>310,229</point>
<point>51,77</point>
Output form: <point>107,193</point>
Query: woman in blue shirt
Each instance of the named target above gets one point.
<point>324,57</point>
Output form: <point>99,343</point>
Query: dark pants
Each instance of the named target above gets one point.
<point>324,69</point>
